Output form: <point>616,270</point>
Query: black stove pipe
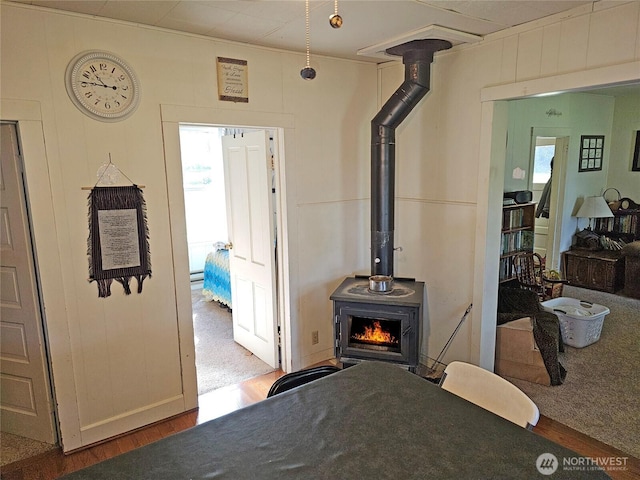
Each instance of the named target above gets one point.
<point>417,57</point>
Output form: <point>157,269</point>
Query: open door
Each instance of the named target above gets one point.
<point>547,229</point>
<point>247,165</point>
<point>26,400</point>
<point>544,152</point>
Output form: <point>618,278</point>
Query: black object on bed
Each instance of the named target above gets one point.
<point>373,420</point>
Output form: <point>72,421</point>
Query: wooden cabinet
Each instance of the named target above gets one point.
<point>517,236</point>
<point>598,270</point>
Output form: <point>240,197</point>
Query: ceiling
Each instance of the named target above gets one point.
<point>369,25</point>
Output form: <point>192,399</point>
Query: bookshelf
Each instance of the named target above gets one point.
<point>624,225</point>
<point>517,236</point>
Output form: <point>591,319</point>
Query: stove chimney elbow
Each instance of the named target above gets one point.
<point>417,56</point>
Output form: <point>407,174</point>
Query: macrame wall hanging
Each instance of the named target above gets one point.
<point>118,243</point>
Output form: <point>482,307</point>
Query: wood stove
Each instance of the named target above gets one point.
<point>386,323</point>
<point>378,326</point>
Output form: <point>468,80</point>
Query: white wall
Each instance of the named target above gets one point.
<point>626,122</point>
<point>125,361</point>
<point>580,114</point>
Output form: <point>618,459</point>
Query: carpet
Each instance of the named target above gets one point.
<point>14,448</point>
<point>219,360</point>
<point>601,394</point>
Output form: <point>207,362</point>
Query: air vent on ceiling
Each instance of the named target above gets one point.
<point>431,32</point>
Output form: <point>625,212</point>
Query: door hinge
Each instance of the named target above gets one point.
<point>20,163</point>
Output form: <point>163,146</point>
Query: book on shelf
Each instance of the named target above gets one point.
<point>527,240</point>
<point>521,240</point>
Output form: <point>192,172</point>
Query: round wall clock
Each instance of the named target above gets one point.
<point>102,86</point>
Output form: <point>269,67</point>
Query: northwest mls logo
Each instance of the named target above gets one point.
<point>547,463</point>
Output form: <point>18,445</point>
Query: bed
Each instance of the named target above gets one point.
<point>217,281</point>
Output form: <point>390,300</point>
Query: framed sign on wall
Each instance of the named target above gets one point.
<point>233,82</point>
<point>591,153</point>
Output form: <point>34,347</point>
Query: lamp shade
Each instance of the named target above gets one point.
<point>594,207</point>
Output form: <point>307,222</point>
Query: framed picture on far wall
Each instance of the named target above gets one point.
<point>635,166</point>
<point>591,153</point>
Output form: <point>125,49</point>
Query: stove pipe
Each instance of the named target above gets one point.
<point>417,56</point>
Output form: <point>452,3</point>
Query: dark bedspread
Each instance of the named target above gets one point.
<point>373,420</point>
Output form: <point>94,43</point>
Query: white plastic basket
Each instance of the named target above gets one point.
<point>580,322</point>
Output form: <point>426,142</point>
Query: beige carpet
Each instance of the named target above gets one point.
<point>219,360</point>
<point>14,448</point>
<point>601,394</point>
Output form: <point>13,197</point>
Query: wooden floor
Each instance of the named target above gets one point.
<point>53,464</point>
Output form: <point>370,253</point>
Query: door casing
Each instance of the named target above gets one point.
<point>172,117</point>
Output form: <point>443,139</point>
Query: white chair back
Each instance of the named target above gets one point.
<point>491,392</point>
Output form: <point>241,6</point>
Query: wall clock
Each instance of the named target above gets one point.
<point>102,86</point>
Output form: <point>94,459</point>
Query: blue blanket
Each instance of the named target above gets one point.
<point>217,281</point>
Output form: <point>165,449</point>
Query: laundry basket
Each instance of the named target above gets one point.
<point>580,322</point>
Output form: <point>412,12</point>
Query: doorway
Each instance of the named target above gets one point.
<point>544,150</point>
<point>549,150</point>
<point>220,360</point>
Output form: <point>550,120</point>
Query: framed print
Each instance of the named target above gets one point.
<point>635,166</point>
<point>591,153</point>
<point>233,80</point>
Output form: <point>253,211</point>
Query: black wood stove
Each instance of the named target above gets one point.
<point>378,326</point>
<point>379,317</point>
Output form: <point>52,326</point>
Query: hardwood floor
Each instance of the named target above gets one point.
<point>53,464</point>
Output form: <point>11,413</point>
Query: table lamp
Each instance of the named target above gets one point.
<point>594,207</point>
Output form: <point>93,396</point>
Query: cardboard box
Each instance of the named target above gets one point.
<point>517,354</point>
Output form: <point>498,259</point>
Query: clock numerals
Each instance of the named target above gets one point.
<point>102,86</point>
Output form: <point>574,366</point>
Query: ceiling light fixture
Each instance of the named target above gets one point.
<point>335,20</point>
<point>307,73</point>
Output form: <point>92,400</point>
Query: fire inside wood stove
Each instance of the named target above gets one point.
<point>375,333</point>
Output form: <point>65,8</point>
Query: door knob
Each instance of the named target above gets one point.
<point>228,246</point>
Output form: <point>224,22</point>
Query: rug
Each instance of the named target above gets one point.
<point>601,393</point>
<point>220,361</point>
<point>14,448</point>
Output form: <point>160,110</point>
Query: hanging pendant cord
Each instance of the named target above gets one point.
<point>335,20</point>
<point>307,33</point>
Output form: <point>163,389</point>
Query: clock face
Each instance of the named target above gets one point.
<point>102,86</point>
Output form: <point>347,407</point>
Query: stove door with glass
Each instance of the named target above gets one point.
<point>377,332</point>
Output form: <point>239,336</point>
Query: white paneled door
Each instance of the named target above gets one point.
<point>26,402</point>
<point>247,165</point>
